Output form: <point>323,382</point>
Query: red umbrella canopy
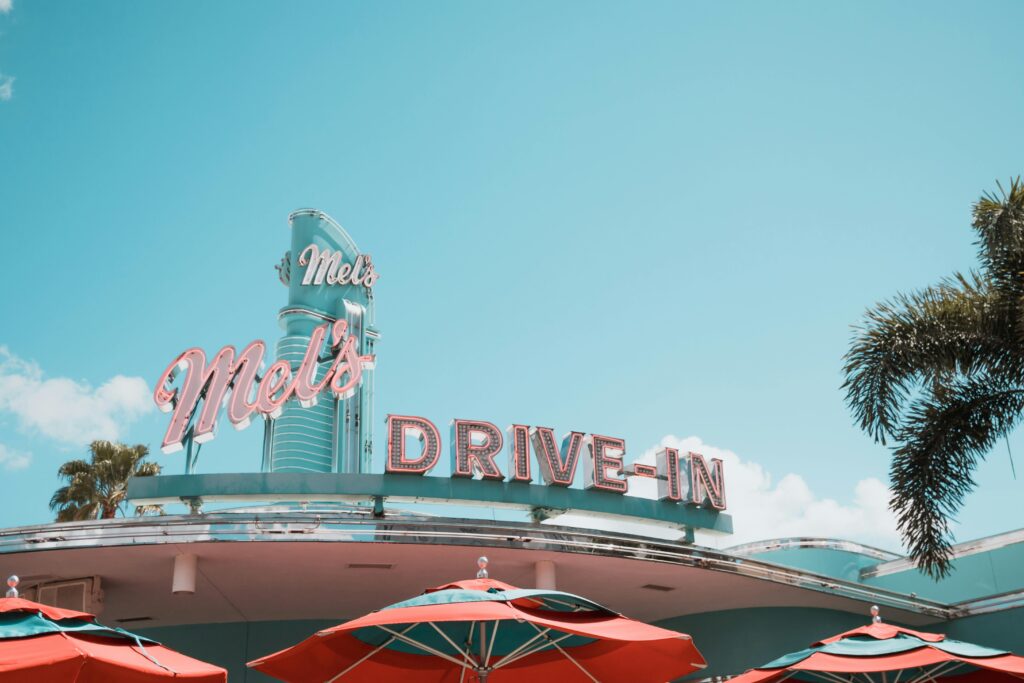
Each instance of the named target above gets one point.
<point>40,644</point>
<point>886,654</point>
<point>488,631</point>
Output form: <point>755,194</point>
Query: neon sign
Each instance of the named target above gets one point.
<point>324,265</point>
<point>475,445</point>
<point>327,352</point>
<point>208,382</point>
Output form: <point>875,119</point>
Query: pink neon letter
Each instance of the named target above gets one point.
<point>274,381</point>
<point>303,385</point>
<point>399,426</point>
<point>669,487</point>
<point>519,453</point>
<point>199,377</point>
<point>243,374</point>
<point>468,456</point>
<point>597,466</point>
<point>707,485</point>
<point>557,468</point>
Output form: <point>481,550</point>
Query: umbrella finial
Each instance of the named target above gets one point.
<point>875,619</point>
<point>481,562</point>
<point>12,585</point>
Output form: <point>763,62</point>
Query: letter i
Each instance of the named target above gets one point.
<point>669,475</point>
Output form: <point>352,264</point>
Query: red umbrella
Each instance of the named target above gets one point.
<point>486,630</point>
<point>39,643</point>
<point>885,653</point>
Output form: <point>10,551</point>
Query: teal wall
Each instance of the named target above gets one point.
<point>1003,630</point>
<point>841,564</point>
<point>974,576</point>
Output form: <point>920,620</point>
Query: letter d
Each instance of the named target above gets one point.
<point>401,426</point>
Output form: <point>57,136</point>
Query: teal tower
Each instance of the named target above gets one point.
<point>328,279</point>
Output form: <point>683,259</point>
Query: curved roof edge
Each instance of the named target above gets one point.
<point>985,544</point>
<point>800,543</point>
<point>363,527</point>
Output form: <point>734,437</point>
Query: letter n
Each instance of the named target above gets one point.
<point>707,484</point>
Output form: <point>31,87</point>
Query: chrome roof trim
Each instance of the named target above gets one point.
<point>807,542</point>
<point>965,549</point>
<point>362,526</point>
<point>992,603</point>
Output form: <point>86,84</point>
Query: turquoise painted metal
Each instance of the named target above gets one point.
<point>872,647</point>
<point>334,435</point>
<point>378,488</point>
<point>996,571</point>
<point>22,625</point>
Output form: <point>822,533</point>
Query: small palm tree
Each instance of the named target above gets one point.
<point>97,489</point>
<point>940,373</point>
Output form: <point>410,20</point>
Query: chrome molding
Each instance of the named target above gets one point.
<point>959,550</point>
<point>317,213</point>
<point>356,526</point>
<point>821,543</point>
<point>304,311</point>
<point>992,603</point>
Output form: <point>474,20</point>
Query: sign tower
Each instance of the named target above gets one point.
<point>328,280</point>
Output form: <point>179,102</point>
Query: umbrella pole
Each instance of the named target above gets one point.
<point>482,671</point>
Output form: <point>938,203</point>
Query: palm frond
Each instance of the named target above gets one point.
<point>98,488</point>
<point>945,434</point>
<point>959,326</point>
<point>147,469</point>
<point>74,467</point>
<point>999,222</point>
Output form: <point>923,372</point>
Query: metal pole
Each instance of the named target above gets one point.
<point>482,671</point>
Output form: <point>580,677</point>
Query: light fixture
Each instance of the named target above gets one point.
<point>184,580</point>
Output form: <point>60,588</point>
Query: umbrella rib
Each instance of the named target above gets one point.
<point>423,646</point>
<point>929,675</point>
<point>567,655</point>
<point>464,653</point>
<point>145,653</point>
<point>524,645</point>
<point>922,676</point>
<point>368,655</point>
<point>574,608</point>
<point>828,676</point>
<point>490,647</point>
<point>138,642</point>
<point>540,648</point>
<point>469,642</point>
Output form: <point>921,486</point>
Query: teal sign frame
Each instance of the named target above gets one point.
<point>376,489</point>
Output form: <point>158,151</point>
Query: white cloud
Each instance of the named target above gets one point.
<point>6,85</point>
<point>14,460</point>
<point>762,509</point>
<point>5,6</point>
<point>68,410</point>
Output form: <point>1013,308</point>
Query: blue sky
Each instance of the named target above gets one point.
<point>661,217</point>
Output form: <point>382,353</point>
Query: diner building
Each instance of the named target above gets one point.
<point>342,514</point>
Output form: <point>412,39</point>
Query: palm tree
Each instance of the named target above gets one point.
<point>97,489</point>
<point>940,374</point>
